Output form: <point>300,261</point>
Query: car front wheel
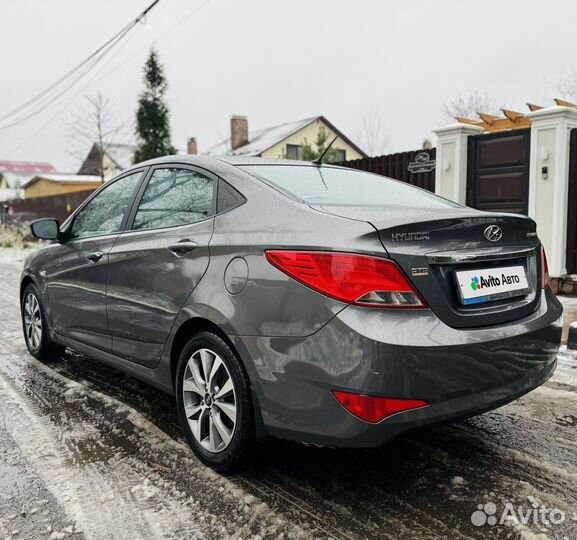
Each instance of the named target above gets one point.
<point>34,325</point>
<point>214,402</point>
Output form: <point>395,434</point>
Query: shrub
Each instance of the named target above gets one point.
<point>16,236</point>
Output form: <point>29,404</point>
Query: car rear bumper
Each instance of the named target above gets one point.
<point>403,354</point>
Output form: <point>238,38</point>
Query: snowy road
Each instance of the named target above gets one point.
<point>87,452</point>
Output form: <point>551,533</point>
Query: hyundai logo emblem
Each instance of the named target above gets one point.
<point>493,233</point>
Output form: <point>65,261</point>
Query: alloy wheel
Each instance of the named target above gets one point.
<point>210,402</point>
<point>32,321</point>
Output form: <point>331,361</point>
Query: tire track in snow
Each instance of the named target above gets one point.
<point>128,480</point>
<point>297,507</point>
<point>72,489</point>
<point>379,518</point>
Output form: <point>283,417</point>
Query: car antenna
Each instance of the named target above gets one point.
<point>319,160</point>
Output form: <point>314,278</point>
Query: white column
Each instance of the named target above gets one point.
<point>549,180</point>
<point>451,170</point>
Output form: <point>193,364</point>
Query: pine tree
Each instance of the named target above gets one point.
<point>310,154</point>
<point>152,121</point>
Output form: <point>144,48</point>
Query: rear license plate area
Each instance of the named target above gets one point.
<point>488,284</point>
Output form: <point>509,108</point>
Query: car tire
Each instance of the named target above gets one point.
<point>35,327</point>
<point>215,410</point>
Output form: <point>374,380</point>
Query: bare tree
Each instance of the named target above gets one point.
<point>94,127</point>
<point>469,106</point>
<point>373,136</point>
<point>567,86</point>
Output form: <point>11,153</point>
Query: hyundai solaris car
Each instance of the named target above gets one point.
<point>296,300</point>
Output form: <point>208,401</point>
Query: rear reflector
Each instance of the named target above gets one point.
<point>375,409</point>
<point>354,279</point>
<point>544,269</point>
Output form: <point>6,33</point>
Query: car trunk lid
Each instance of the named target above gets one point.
<point>438,249</point>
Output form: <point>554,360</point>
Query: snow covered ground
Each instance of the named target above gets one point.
<point>14,256</point>
<point>87,452</point>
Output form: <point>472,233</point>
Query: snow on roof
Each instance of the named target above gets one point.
<point>262,139</point>
<point>26,167</point>
<point>16,179</point>
<point>69,177</point>
<point>121,154</point>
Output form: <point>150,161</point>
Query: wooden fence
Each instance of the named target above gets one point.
<point>55,206</point>
<point>416,167</point>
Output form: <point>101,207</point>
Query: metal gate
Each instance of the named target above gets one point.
<point>571,260</point>
<point>498,171</point>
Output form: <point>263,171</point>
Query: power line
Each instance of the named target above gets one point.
<point>52,93</point>
<point>137,53</point>
<point>50,97</point>
<point>61,110</point>
<point>96,78</point>
<point>69,74</point>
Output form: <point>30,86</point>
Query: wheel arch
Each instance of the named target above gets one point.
<point>195,325</point>
<point>26,280</point>
<point>187,329</point>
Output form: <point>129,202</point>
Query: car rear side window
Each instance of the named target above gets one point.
<point>228,197</point>
<point>174,197</point>
<point>104,213</point>
<point>331,185</point>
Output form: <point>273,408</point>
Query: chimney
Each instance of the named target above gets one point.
<point>191,146</point>
<point>238,131</point>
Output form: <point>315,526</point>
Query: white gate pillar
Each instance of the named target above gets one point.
<point>451,170</point>
<point>549,180</point>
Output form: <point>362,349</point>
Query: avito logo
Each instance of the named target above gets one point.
<point>492,281</point>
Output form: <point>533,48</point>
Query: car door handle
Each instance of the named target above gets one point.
<point>95,256</point>
<point>180,249</point>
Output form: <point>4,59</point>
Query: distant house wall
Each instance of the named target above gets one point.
<point>310,133</point>
<point>109,168</point>
<point>45,188</point>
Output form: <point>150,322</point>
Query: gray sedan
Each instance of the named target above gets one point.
<point>303,301</point>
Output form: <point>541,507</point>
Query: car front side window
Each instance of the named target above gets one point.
<point>104,213</point>
<point>174,197</point>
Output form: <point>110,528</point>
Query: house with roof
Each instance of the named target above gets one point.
<point>108,161</point>
<point>45,185</point>
<point>283,141</point>
<point>15,174</point>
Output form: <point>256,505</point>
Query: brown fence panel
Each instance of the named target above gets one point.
<point>416,167</point>
<point>55,206</point>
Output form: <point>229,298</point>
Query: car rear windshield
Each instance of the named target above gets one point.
<point>330,185</point>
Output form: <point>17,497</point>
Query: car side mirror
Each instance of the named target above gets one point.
<point>45,229</point>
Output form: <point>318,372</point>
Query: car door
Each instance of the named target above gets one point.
<point>77,275</point>
<point>154,266</point>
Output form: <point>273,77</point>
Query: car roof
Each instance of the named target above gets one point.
<point>236,161</point>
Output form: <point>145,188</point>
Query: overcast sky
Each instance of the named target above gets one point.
<point>281,61</point>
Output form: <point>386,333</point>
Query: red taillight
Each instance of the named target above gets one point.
<point>355,279</point>
<point>544,269</point>
<point>375,409</point>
